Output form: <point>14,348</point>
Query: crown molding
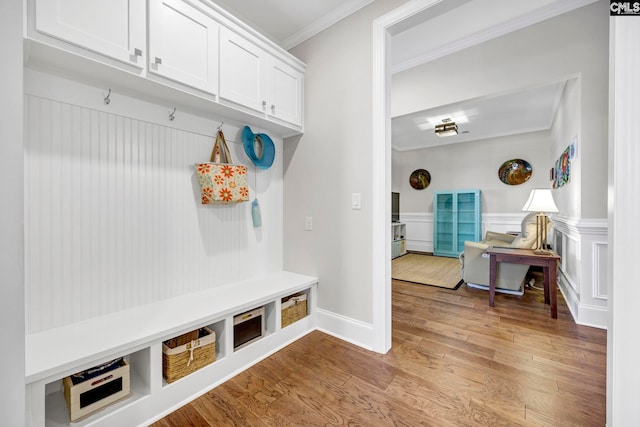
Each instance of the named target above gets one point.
<point>324,22</point>
<point>555,9</point>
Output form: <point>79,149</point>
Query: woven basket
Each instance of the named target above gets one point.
<point>294,308</point>
<point>187,353</point>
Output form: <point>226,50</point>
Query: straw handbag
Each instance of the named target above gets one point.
<point>221,181</point>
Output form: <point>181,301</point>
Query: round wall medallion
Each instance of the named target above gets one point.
<point>515,172</point>
<point>420,179</point>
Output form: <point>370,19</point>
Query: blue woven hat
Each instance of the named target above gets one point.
<point>259,148</point>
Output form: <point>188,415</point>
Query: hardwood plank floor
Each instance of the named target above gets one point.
<point>454,362</point>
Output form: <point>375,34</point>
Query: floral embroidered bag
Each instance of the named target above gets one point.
<point>221,181</point>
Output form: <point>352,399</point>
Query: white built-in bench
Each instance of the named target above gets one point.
<point>138,334</point>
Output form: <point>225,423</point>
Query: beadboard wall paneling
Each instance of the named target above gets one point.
<point>113,215</point>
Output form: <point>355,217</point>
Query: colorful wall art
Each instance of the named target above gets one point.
<point>562,169</point>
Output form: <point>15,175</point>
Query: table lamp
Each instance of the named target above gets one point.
<point>541,201</point>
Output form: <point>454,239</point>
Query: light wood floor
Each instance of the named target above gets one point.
<point>454,362</point>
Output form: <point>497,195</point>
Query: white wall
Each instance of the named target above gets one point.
<point>12,401</point>
<point>113,216</point>
<point>575,43</point>
<point>473,164</point>
<point>565,129</point>
<point>332,160</point>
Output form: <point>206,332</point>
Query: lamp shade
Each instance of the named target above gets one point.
<point>540,200</point>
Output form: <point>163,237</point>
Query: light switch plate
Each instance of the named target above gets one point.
<point>308,223</point>
<point>356,201</point>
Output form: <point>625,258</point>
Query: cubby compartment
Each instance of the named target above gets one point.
<point>249,327</point>
<point>56,410</point>
<point>294,307</point>
<point>190,351</point>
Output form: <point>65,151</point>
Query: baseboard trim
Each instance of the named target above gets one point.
<point>595,317</point>
<point>345,328</point>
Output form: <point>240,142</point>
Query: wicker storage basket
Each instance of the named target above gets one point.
<point>294,308</point>
<point>187,353</point>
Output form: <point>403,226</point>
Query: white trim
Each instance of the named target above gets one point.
<point>336,15</point>
<point>380,200</point>
<point>599,253</point>
<point>592,316</point>
<point>623,371</point>
<point>590,226</point>
<point>553,9</point>
<point>346,329</point>
<point>568,290</point>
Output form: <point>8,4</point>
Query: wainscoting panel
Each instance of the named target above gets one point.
<point>113,216</point>
<point>600,253</point>
<point>583,246</point>
<point>419,231</point>
<point>420,227</point>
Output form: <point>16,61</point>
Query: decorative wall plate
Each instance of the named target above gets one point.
<point>515,172</point>
<point>420,179</point>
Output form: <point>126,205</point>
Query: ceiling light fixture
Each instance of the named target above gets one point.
<point>447,128</point>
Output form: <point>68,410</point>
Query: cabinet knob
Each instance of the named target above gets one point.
<point>264,105</point>
<point>273,108</point>
<point>158,60</point>
<point>137,52</point>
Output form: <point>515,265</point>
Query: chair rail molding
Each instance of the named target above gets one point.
<point>583,245</point>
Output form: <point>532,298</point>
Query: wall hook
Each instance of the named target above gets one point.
<point>220,127</point>
<point>172,116</point>
<point>107,99</point>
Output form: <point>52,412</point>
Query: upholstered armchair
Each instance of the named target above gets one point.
<point>509,277</point>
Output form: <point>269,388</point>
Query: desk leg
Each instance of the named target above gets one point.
<point>492,279</point>
<point>553,288</point>
<point>545,270</point>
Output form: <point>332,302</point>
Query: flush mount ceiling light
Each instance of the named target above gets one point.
<point>447,128</point>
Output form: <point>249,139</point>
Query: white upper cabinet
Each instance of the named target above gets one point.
<point>183,44</point>
<point>114,28</point>
<point>252,78</point>
<point>188,51</point>
<point>284,92</point>
<point>242,66</point>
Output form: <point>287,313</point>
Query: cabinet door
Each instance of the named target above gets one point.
<point>241,71</point>
<point>468,227</point>
<point>183,44</point>
<point>284,92</point>
<point>444,223</point>
<point>114,28</point>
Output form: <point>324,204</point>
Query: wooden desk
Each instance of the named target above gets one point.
<point>548,262</point>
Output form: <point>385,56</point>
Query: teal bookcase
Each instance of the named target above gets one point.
<point>456,218</point>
